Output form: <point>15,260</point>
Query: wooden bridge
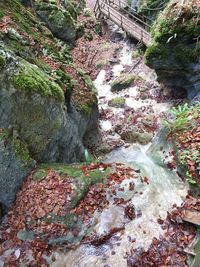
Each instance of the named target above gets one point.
<point>125,17</point>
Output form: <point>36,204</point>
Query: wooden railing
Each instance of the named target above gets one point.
<point>120,13</point>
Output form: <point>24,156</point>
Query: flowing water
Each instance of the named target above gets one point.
<point>151,200</point>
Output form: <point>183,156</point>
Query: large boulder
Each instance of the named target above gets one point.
<point>175,49</point>
<point>47,104</point>
<point>15,164</point>
<point>43,95</point>
<point>34,106</point>
<point>60,18</point>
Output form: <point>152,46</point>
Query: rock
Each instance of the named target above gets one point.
<point>175,50</point>
<point>130,135</point>
<point>133,134</point>
<point>117,102</point>
<point>145,138</point>
<point>46,104</point>
<point>15,164</point>
<point>149,120</point>
<point>60,19</point>
<point>34,106</point>
<point>114,61</point>
<point>26,236</point>
<point>122,82</point>
<point>108,143</point>
<point>192,217</point>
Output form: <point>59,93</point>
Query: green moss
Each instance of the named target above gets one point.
<point>71,170</point>
<point>157,51</point>
<point>22,16</point>
<point>2,61</point>
<point>151,8</point>
<point>88,36</point>
<point>21,150</point>
<point>117,102</point>
<point>40,174</point>
<point>32,28</point>
<point>19,147</point>
<point>86,109</point>
<point>98,28</point>
<point>4,134</point>
<point>60,18</point>
<point>32,79</point>
<point>136,53</point>
<point>2,14</point>
<point>124,81</point>
<point>84,97</point>
<point>179,21</point>
<point>178,54</point>
<point>100,64</point>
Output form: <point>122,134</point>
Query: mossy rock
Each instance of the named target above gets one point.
<point>175,51</point>
<point>2,62</point>
<point>60,19</point>
<point>19,147</point>
<point>15,164</point>
<point>117,102</point>
<point>122,82</point>
<point>145,138</point>
<point>31,79</point>
<point>136,53</point>
<point>81,180</point>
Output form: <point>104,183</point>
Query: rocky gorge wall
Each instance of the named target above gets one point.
<point>175,49</point>
<point>46,102</point>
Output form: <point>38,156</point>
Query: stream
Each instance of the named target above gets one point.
<point>151,199</point>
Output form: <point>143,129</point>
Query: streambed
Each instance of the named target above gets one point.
<point>156,188</point>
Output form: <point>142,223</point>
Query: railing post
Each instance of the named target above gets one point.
<point>119,4</point>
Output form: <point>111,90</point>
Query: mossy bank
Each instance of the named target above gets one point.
<point>45,99</point>
<point>175,49</point>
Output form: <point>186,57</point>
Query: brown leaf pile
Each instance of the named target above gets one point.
<point>190,141</point>
<point>168,250</point>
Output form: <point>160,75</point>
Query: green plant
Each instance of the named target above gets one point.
<point>184,117</point>
<point>180,110</point>
<point>189,178</point>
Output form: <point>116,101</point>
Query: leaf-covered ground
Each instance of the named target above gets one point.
<point>55,207</point>
<point>185,132</point>
<point>170,249</point>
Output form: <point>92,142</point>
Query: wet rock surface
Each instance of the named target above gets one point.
<point>15,165</point>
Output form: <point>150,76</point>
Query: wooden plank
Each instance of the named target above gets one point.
<point>192,217</point>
